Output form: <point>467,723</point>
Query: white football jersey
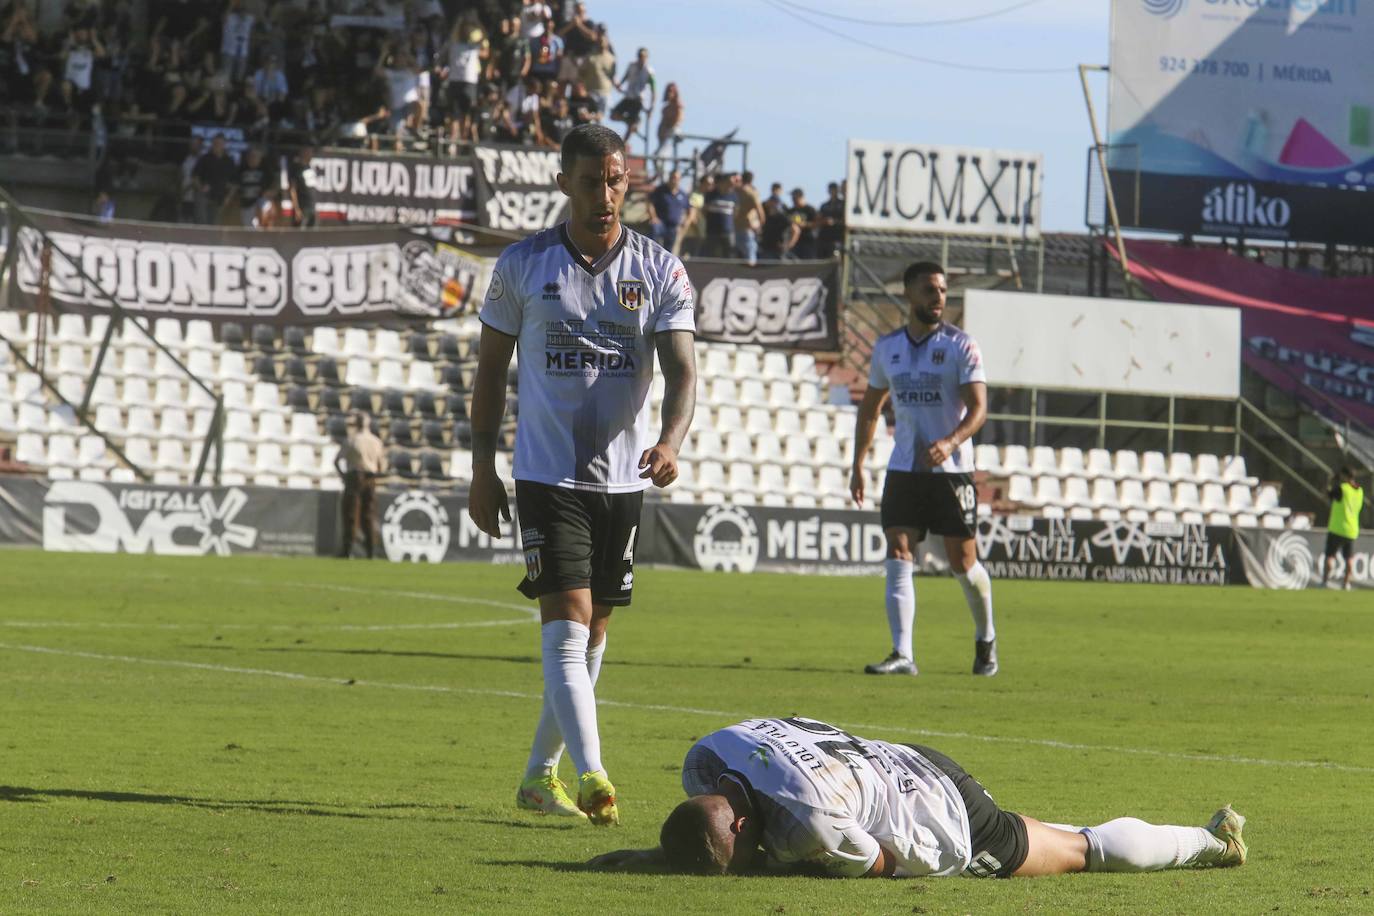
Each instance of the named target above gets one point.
<point>829,800</point>
<point>586,352</point>
<point>925,377</point>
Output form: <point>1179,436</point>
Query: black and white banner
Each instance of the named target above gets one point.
<point>357,187</point>
<point>432,526</point>
<point>328,276</point>
<point>786,305</point>
<point>1294,559</point>
<point>1166,553</point>
<point>72,515</point>
<point>952,190</point>
<point>517,190</point>
<point>744,539</point>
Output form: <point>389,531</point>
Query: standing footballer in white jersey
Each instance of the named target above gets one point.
<point>588,303</point>
<point>800,795</point>
<point>934,374</point>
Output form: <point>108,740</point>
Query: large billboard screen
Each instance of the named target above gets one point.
<point>1246,118</point>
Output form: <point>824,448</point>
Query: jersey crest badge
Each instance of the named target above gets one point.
<point>534,564</point>
<point>630,293</point>
<point>937,357</point>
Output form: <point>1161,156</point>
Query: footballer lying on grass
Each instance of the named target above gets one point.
<point>801,795</point>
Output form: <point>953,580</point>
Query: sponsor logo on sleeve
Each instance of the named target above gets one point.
<point>497,287</point>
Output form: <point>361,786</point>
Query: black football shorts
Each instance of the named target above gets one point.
<point>1338,544</point>
<point>943,504</point>
<point>998,837</point>
<point>577,539</point>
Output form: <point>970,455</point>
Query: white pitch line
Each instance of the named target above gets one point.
<point>531,614</point>
<point>690,710</point>
<point>423,596</point>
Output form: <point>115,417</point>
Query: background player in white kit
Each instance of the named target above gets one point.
<point>934,375</point>
<point>589,303</point>
<point>800,795</point>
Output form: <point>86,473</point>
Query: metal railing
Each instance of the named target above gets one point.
<point>22,231</point>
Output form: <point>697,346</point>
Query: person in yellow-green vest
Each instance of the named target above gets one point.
<point>1347,498</point>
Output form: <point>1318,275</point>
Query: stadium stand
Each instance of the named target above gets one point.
<point>745,446</point>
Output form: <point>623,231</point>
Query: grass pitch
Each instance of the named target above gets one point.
<point>311,736</point>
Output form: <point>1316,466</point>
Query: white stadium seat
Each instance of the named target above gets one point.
<point>91,452</point>
<point>1016,460</point>
<point>1131,495</point>
<point>1213,498</point>
<point>740,482</point>
<point>390,375</point>
<point>786,422</point>
<point>775,365</point>
<point>142,423</point>
<point>1187,498</point>
<point>233,367</point>
<point>772,485</point>
<point>1159,495</point>
<point>1020,489</point>
<point>1233,471</point>
<point>1181,467</point>
<point>1047,492</point>
<point>753,393</point>
<point>1153,466</point>
<point>272,428</point>
<point>758,420</point>
<point>1104,494</point>
<point>199,333</point>
<point>739,446</point>
<point>985,458</point>
<point>768,448</point>
<point>749,361</point>
<point>1125,464</point>
<point>140,453</point>
<point>1071,462</point>
<point>357,343</point>
<point>827,452</point>
<point>171,456</point>
<point>267,398</point>
<point>28,449</point>
<point>1207,468</point>
<point>1077,492</point>
<point>1240,498</point>
<point>168,333</point>
<point>1044,462</point>
<point>358,371</point>
<point>325,341</point>
<point>423,377</point>
<point>387,344</point>
<point>1267,501</point>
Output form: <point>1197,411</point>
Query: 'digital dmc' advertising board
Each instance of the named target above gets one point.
<point>1246,118</point>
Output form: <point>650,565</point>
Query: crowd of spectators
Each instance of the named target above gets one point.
<point>724,217</point>
<point>280,74</point>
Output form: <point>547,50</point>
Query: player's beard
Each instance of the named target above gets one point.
<point>926,314</point>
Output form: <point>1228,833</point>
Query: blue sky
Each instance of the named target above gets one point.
<point>798,93</point>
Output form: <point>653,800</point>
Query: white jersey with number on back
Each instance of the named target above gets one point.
<point>924,377</point>
<point>829,800</point>
<point>585,343</point>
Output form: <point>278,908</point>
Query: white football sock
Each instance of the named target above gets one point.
<point>977,586</point>
<point>547,749</point>
<point>568,690</point>
<point>1128,844</point>
<point>901,605</point>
